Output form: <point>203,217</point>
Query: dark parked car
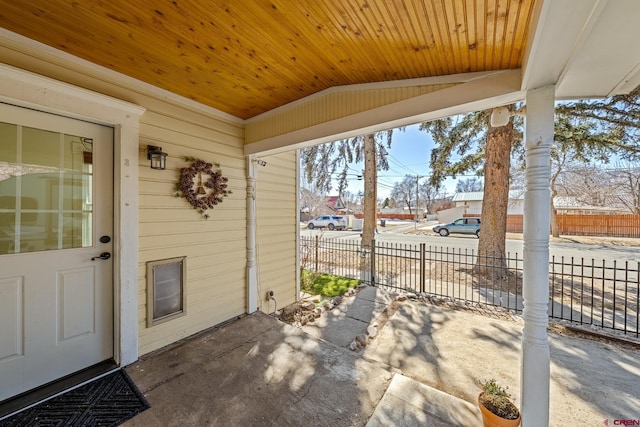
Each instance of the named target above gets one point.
<point>459,226</point>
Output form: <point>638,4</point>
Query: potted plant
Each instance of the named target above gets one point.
<point>498,410</point>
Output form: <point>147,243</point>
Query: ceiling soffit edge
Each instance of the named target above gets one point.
<point>391,84</point>
<point>491,91</point>
<point>342,101</point>
<point>332,106</point>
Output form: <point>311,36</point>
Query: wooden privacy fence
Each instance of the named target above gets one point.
<point>514,223</point>
<point>588,225</point>
<point>402,216</point>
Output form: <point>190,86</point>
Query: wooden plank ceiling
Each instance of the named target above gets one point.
<point>248,57</point>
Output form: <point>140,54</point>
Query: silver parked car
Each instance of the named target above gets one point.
<point>459,226</point>
<point>332,222</point>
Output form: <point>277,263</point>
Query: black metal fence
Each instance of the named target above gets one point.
<point>605,295</point>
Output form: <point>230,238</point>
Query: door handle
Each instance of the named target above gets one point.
<point>103,255</point>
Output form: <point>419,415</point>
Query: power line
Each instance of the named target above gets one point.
<point>401,165</point>
<point>388,179</point>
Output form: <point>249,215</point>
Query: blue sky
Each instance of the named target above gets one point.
<point>409,155</point>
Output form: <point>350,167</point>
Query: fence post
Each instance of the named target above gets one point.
<point>372,263</point>
<point>423,269</point>
<point>315,253</point>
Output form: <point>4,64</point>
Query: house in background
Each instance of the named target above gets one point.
<point>91,92</point>
<point>575,205</point>
<point>470,204</point>
<point>336,205</point>
<point>331,205</point>
<point>573,215</point>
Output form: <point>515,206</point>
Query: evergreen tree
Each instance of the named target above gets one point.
<point>323,164</point>
<point>483,150</point>
<point>588,130</point>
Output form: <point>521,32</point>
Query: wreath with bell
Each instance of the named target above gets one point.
<point>202,185</point>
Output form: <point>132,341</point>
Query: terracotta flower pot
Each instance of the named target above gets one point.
<point>492,420</point>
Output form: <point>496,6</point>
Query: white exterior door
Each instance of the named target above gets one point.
<point>56,219</point>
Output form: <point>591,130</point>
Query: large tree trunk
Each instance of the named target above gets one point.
<point>370,193</point>
<point>491,247</point>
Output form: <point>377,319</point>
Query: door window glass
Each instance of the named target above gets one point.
<point>46,197</point>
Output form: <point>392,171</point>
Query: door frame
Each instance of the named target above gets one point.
<point>26,89</point>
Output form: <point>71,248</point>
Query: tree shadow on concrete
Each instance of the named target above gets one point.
<point>260,371</point>
<point>593,380</point>
<point>257,371</point>
<point>371,312</point>
<point>406,343</point>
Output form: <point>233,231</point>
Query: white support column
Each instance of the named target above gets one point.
<point>298,171</point>
<point>252,269</point>
<point>535,376</point>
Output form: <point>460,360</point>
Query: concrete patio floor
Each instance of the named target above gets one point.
<point>420,368</point>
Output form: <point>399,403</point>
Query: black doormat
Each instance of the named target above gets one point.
<point>107,401</point>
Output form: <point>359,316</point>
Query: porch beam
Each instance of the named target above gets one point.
<point>535,365</point>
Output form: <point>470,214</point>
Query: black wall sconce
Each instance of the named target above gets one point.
<point>157,157</point>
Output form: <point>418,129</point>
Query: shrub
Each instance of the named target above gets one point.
<point>327,285</point>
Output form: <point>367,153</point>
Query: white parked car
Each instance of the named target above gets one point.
<point>332,222</point>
